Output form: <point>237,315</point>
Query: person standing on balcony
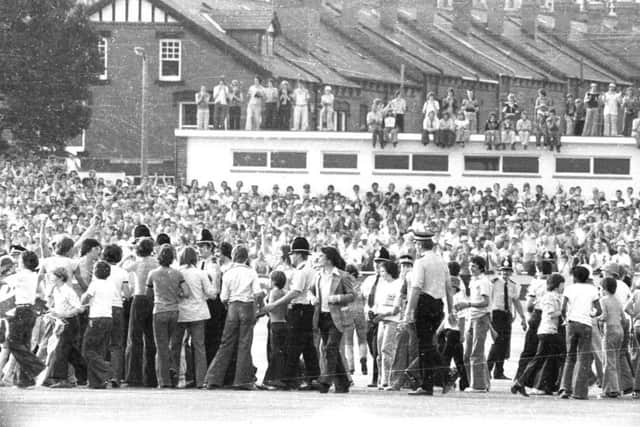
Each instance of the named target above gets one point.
<point>202,103</point>
<point>612,100</point>
<point>470,107</point>
<point>635,129</point>
<point>301,108</point>
<point>569,116</point>
<point>398,106</point>
<point>630,110</point>
<point>254,107</point>
<point>579,117</point>
<point>284,106</point>
<point>270,120</point>
<point>236,98</point>
<point>326,112</point>
<point>374,122</point>
<point>220,104</point>
<point>449,103</point>
<point>592,103</point>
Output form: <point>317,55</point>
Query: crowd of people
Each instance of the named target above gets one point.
<point>447,122</point>
<point>155,285</point>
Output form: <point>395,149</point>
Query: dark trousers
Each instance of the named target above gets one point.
<point>236,338</point>
<point>116,350</point>
<point>19,341</point>
<point>284,117</point>
<point>195,354</point>
<point>331,336</point>
<point>579,358</point>
<point>234,117</point>
<point>126,315</point>
<point>530,345</point>
<point>219,115</point>
<point>453,350</point>
<point>429,315</point>
<point>165,325</point>
<point>300,342</point>
<point>68,352</point>
<point>427,136</point>
<point>499,352</point>
<point>372,343</point>
<point>546,363</point>
<point>400,122</point>
<point>213,328</point>
<point>141,348</point>
<point>270,120</point>
<point>277,352</point>
<point>94,351</point>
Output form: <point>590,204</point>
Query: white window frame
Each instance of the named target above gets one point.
<point>162,77</point>
<point>103,45</point>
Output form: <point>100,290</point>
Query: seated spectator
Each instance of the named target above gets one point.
<point>462,129</point>
<point>524,127</point>
<point>511,109</point>
<point>390,128</point>
<point>374,122</point>
<point>492,131</point>
<point>508,132</point>
<point>470,107</point>
<point>447,131</point>
<point>430,128</point>
<point>431,104</point>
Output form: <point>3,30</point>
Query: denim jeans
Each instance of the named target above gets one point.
<point>579,359</point>
<point>68,352</point>
<point>116,351</point>
<point>141,347</point>
<point>386,350</point>
<point>611,345</point>
<point>277,352</point>
<point>19,343</point>
<point>165,325</point>
<point>197,356</point>
<point>636,380</point>
<point>474,358</point>
<point>547,361</point>
<point>94,349</point>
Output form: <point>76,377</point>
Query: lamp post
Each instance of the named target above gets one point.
<point>143,140</point>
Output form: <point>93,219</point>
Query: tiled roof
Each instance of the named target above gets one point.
<point>243,19</point>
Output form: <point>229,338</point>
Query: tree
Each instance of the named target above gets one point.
<point>48,58</point>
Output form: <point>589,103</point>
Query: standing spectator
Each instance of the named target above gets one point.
<point>470,108</point>
<point>492,131</point>
<point>236,98</point>
<point>613,318</point>
<point>374,123</point>
<point>630,109</point>
<point>431,104</point>
<point>569,115</point>
<point>592,104</point>
<point>168,287</point>
<point>220,105</point>
<point>301,99</point>
<point>387,317</point>
<point>430,128</point>
<point>632,308</point>
<point>541,109</point>
<point>552,138</point>
<point>398,106</point>
<point>447,131</point>
<point>462,129</point>
<point>580,299</point>
<point>325,121</point>
<point>284,106</point>
<point>255,97</point>
<point>270,117</point>
<point>611,100</point>
<point>449,103</point>
<point>579,117</point>
<point>523,128</point>
<point>202,102</point>
<point>635,129</point>
<point>275,375</point>
<point>511,110</point>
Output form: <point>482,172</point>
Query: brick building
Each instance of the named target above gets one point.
<point>356,46</point>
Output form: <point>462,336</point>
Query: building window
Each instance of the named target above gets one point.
<point>569,165</point>
<point>339,161</point>
<point>519,164</point>
<point>288,160</point>
<point>188,115</point>
<point>389,161</point>
<point>482,163</point>
<point>429,163</point>
<point>102,51</point>
<point>608,166</point>
<point>170,60</point>
<point>250,159</point>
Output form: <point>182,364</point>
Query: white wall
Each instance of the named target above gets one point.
<point>210,158</point>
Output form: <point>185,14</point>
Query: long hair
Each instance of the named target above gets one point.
<point>334,257</point>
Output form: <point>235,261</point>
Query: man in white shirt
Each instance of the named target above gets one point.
<point>221,97</point>
<point>301,108</point>
<point>580,302</point>
<point>241,290</point>
<point>99,296</point>
<point>119,279</point>
<point>612,101</point>
<point>202,108</point>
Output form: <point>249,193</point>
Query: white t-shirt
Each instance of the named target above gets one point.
<point>102,292</point>
<point>25,286</point>
<point>537,289</point>
<point>119,280</point>
<point>581,297</point>
<point>479,288</point>
<point>386,296</point>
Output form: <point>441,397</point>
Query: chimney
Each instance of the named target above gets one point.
<point>462,15</point>
<point>495,16</point>
<point>596,12</point>
<point>529,17</point>
<point>425,12</point>
<point>564,12</point>
<point>627,13</point>
<point>389,13</point>
<point>300,21</point>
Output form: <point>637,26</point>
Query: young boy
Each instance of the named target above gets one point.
<point>99,297</point>
<point>492,131</point>
<point>613,319</point>
<point>277,334</point>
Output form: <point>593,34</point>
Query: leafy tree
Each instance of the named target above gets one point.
<point>48,57</point>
